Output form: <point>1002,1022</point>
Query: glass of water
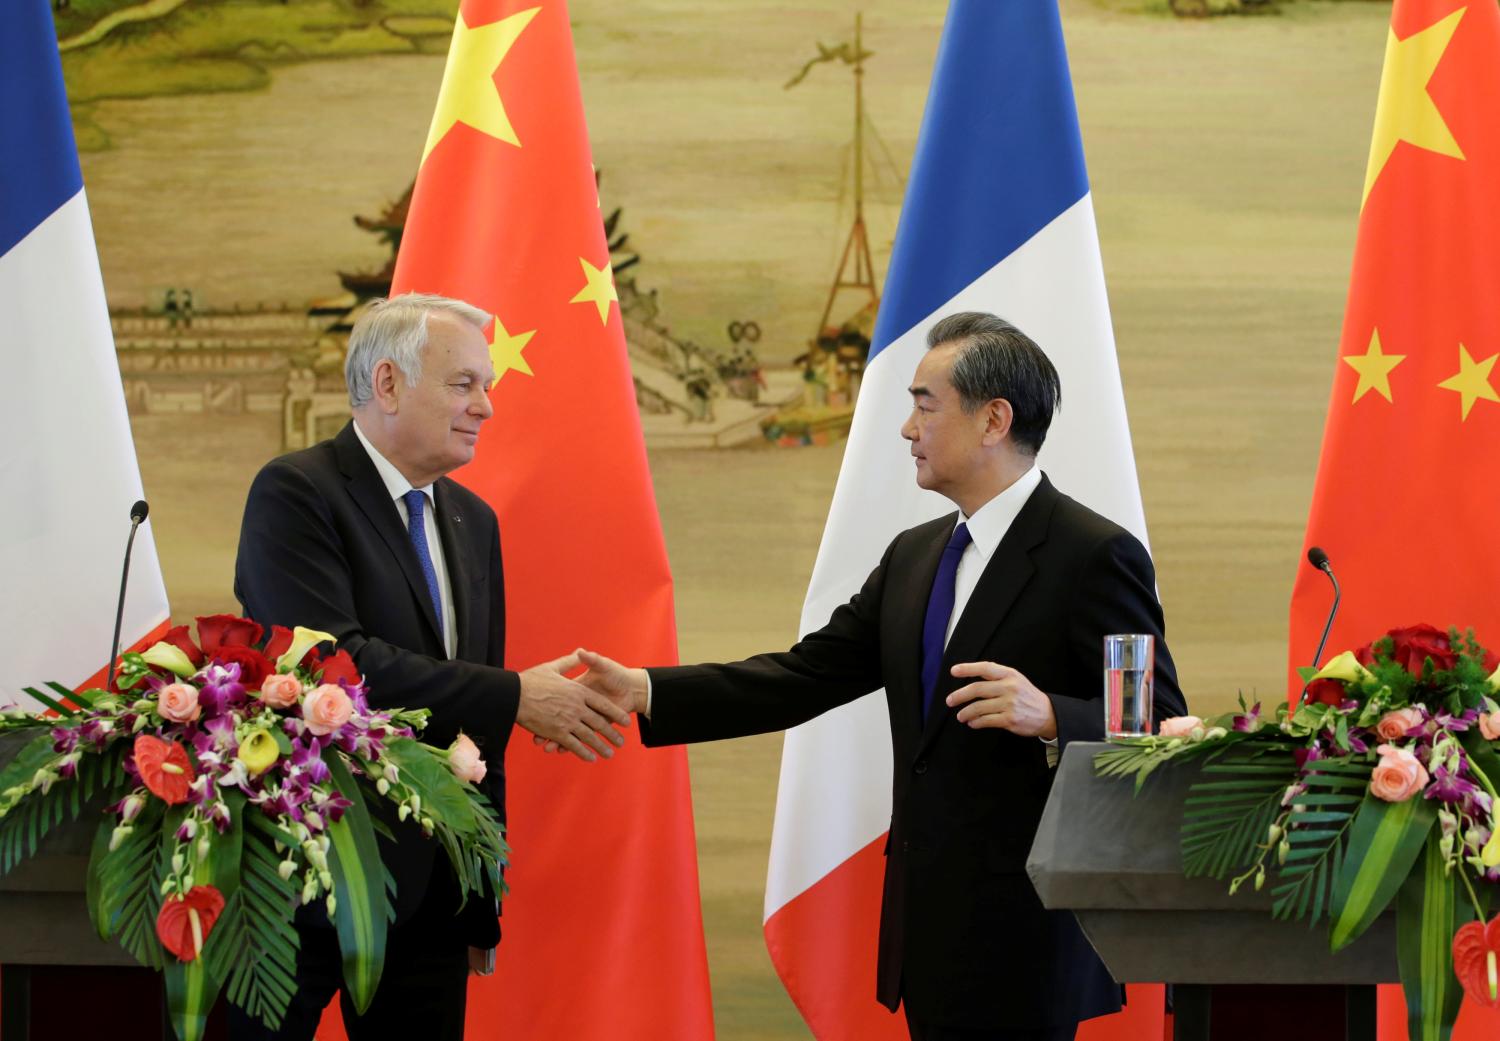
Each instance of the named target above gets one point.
<point>1128,665</point>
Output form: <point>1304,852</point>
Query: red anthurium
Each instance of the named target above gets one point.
<point>1476,961</point>
<point>227,630</point>
<point>338,667</point>
<point>178,637</point>
<point>184,922</point>
<point>164,768</point>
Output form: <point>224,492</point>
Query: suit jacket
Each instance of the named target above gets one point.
<point>323,545</point>
<point>964,940</point>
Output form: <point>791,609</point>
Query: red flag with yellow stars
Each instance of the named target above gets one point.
<point>1405,500</point>
<point>603,931</point>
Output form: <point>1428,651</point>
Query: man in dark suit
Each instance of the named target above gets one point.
<point>365,538</point>
<point>986,631</point>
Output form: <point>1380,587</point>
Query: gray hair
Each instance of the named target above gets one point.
<point>397,329</point>
<point>997,360</point>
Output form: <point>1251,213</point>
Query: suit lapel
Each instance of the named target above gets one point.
<point>1005,576</point>
<point>370,494</point>
<point>460,567</point>
<point>912,596</point>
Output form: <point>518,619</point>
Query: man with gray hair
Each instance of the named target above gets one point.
<point>364,537</point>
<point>986,630</point>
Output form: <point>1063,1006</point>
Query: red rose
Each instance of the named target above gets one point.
<point>226,630</point>
<point>184,922</point>
<point>1416,643</point>
<point>281,642</point>
<point>1366,655</point>
<point>164,768</point>
<point>1326,692</point>
<point>254,666</point>
<point>338,667</point>
<point>178,637</point>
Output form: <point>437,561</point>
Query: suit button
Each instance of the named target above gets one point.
<point>921,766</point>
<point>906,847</point>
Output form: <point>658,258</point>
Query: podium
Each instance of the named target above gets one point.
<point>1113,857</point>
<point>44,922</point>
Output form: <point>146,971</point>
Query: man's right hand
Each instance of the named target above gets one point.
<point>626,688</point>
<point>570,715</point>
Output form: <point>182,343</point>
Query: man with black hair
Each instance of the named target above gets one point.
<point>986,630</point>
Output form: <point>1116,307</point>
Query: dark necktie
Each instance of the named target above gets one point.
<point>416,527</point>
<point>939,610</point>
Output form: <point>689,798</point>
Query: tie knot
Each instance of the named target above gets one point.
<point>961,538</point>
<point>415,501</point>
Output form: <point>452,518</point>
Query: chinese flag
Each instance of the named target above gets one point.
<point>603,932</point>
<point>1405,500</point>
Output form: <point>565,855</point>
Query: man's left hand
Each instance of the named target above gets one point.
<point>1002,697</point>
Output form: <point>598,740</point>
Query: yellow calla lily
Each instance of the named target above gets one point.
<point>303,640</point>
<point>258,751</point>
<point>1494,681</point>
<point>1491,852</point>
<point>166,656</point>
<point>1345,668</point>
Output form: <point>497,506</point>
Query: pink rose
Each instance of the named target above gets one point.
<point>326,709</point>
<point>1180,726</point>
<point>464,757</point>
<point>1395,724</point>
<point>178,702</point>
<point>281,690</point>
<point>1489,725</point>
<point>1398,776</point>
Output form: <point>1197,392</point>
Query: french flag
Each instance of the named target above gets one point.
<point>67,462</point>
<point>998,217</point>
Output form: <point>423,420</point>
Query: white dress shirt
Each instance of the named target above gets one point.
<point>398,486</point>
<point>987,527</point>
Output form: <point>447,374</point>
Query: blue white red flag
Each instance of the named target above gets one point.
<point>67,461</point>
<point>998,217</point>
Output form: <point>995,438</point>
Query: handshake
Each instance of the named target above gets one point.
<point>580,715</point>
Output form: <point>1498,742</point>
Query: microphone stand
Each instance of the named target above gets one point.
<point>137,516</point>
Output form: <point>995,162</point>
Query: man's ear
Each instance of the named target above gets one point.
<point>383,382</point>
<point>998,416</point>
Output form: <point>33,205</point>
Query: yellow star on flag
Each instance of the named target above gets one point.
<point>1374,369</point>
<point>468,94</point>
<point>1472,381</point>
<point>598,288</point>
<point>1405,111</point>
<point>505,351</point>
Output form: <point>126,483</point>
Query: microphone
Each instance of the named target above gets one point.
<point>137,516</point>
<point>1319,559</point>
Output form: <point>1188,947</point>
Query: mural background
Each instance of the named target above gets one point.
<point>229,143</point>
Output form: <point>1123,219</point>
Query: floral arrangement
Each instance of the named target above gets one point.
<point>241,780</point>
<point>1376,789</point>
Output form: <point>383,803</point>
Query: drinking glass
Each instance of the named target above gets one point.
<point>1128,666</point>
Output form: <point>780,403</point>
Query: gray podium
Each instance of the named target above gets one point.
<point>1114,859</point>
<point>44,919</point>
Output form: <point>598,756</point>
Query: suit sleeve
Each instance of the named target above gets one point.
<point>1116,593</point>
<point>769,692</point>
<point>293,569</point>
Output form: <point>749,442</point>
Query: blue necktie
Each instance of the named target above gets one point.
<point>416,527</point>
<point>939,610</point>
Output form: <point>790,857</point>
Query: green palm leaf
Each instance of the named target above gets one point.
<point>359,883</point>
<point>1317,837</point>
<point>255,948</point>
<point>1227,813</point>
